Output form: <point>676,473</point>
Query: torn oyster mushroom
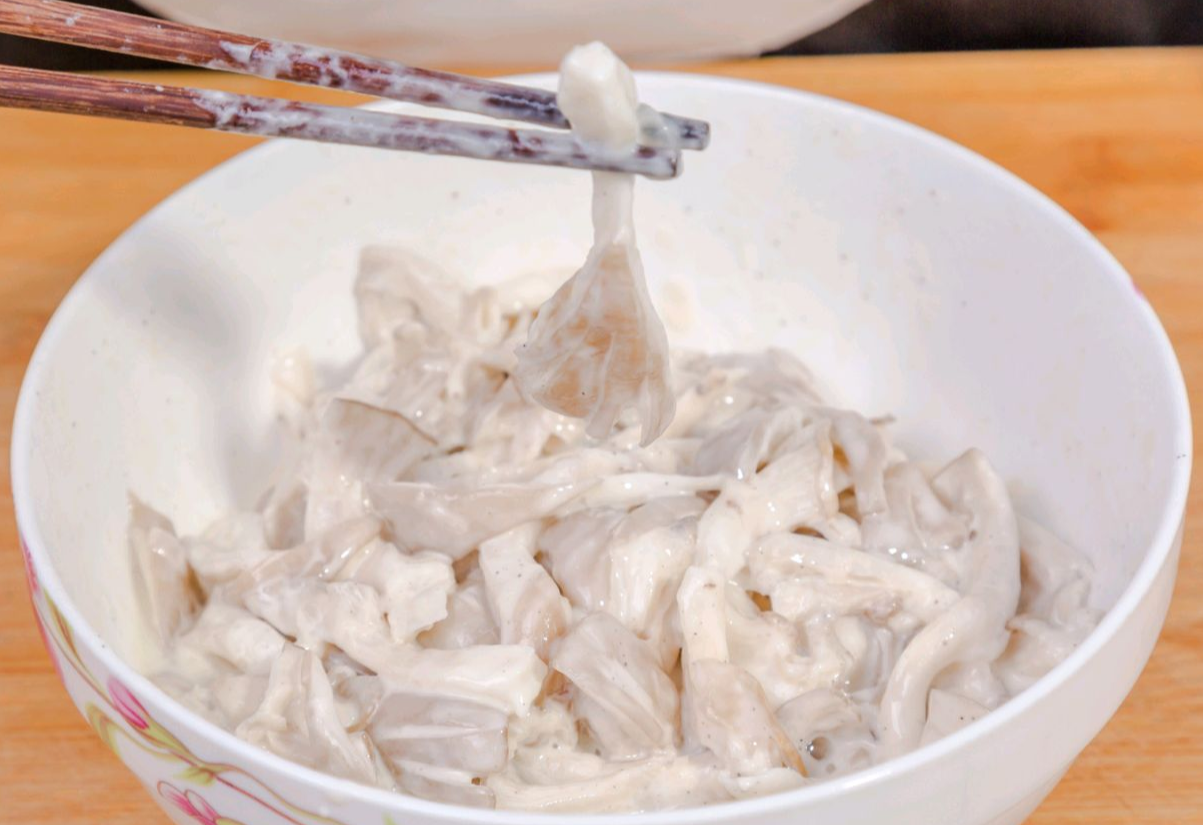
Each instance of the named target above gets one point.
<point>164,584</point>
<point>620,693</point>
<point>597,346</point>
<point>455,593</point>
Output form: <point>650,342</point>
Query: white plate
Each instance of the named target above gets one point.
<point>520,32</point>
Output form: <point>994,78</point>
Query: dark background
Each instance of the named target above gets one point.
<point>882,26</point>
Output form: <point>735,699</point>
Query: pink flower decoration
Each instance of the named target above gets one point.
<point>30,575</point>
<point>191,803</point>
<point>31,578</point>
<point>37,618</point>
<point>128,706</point>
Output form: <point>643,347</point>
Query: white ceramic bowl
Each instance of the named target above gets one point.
<point>520,32</point>
<point>916,278</point>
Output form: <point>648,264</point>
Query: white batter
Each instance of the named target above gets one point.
<point>457,593</point>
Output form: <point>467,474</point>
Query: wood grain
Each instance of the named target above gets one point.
<point>125,99</point>
<point>1114,136</point>
<point>114,31</point>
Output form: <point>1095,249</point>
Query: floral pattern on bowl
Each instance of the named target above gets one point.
<point>131,732</point>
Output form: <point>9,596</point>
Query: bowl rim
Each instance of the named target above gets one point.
<point>1159,549</point>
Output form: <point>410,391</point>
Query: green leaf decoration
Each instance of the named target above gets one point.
<point>197,775</point>
<point>105,727</point>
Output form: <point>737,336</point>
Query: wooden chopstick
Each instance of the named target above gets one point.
<point>272,117</point>
<point>64,22</point>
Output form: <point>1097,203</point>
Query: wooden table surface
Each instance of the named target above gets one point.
<point>1114,136</point>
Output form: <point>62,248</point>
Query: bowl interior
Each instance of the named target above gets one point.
<point>914,278</point>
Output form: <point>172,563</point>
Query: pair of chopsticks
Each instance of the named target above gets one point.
<point>78,25</point>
